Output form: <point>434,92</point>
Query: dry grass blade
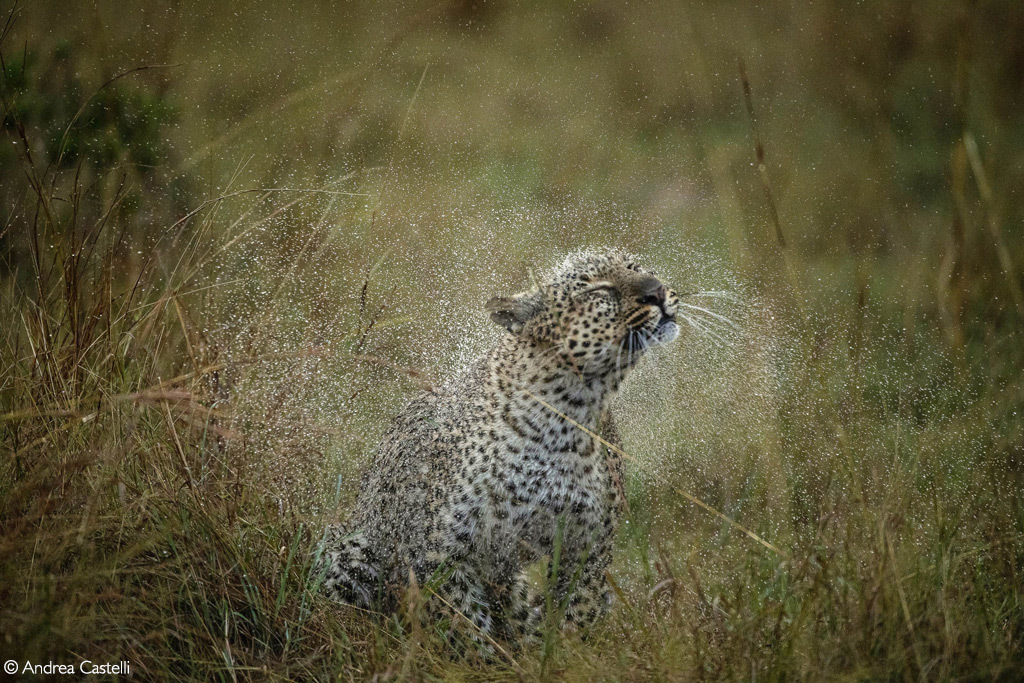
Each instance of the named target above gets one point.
<point>759,155</point>
<point>1005,259</point>
<point>495,644</point>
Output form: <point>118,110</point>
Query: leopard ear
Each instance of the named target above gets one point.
<point>513,312</point>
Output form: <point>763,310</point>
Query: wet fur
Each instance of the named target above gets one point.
<point>474,482</point>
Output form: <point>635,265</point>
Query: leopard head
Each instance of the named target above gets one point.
<point>598,311</point>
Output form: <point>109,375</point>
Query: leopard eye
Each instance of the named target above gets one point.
<point>602,289</point>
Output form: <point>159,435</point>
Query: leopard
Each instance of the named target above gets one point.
<point>513,464</point>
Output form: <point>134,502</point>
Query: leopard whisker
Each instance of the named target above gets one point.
<point>644,339</point>
<point>703,328</point>
<point>714,326</point>
<point>651,343</point>
<point>717,316</point>
<point>712,293</point>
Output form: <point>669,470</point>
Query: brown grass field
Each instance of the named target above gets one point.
<point>236,237</point>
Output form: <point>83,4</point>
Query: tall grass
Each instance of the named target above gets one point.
<point>168,463</point>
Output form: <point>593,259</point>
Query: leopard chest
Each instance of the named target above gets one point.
<point>543,486</point>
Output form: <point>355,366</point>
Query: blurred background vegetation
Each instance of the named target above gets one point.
<point>236,236</point>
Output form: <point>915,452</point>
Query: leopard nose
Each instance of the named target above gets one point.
<point>652,293</point>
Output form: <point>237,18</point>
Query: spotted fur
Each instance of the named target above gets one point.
<point>478,480</point>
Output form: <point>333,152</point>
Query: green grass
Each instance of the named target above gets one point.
<point>222,277</point>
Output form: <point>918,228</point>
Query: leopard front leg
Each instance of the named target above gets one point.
<point>583,589</point>
<point>516,617</point>
<point>463,599</point>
